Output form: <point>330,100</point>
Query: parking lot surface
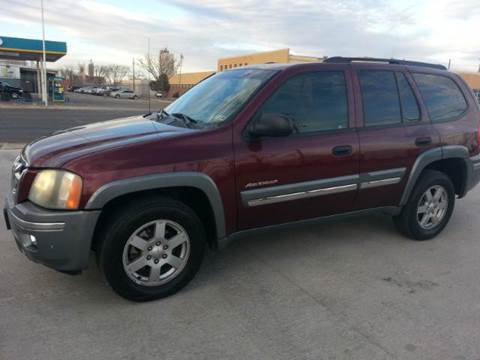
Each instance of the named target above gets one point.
<point>24,122</point>
<point>349,289</point>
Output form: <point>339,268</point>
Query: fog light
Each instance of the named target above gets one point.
<point>29,241</point>
<point>33,240</point>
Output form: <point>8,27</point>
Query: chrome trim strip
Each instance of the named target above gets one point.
<point>383,174</point>
<point>476,166</point>
<point>34,226</point>
<point>302,195</point>
<point>307,189</point>
<point>300,187</point>
<point>377,183</point>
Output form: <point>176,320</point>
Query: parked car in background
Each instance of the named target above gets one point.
<point>110,89</point>
<point>8,91</point>
<point>95,90</point>
<point>73,88</point>
<point>124,94</point>
<point>247,149</point>
<point>100,91</point>
<point>158,94</point>
<point>84,90</point>
<point>89,90</point>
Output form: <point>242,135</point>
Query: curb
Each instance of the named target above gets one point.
<point>11,146</point>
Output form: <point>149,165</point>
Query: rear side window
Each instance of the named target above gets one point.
<point>410,110</point>
<point>314,101</point>
<point>443,98</point>
<point>381,105</point>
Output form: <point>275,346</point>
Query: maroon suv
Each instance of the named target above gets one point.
<point>246,149</point>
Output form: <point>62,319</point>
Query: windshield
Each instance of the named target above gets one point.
<point>217,98</point>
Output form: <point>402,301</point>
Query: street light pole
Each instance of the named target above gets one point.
<point>44,65</point>
<point>148,87</point>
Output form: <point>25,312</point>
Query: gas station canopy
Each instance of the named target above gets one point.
<point>28,49</point>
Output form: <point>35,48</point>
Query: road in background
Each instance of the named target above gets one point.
<point>23,123</point>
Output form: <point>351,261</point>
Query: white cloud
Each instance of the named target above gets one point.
<point>432,30</point>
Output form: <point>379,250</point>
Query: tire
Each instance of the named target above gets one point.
<point>420,210</point>
<point>117,96</point>
<point>117,257</point>
<point>134,97</point>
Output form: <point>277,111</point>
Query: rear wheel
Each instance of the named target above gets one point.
<point>117,96</point>
<point>429,208</point>
<point>151,249</point>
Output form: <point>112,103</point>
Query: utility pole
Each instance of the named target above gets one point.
<point>148,86</point>
<point>180,73</point>
<point>133,74</point>
<point>44,65</point>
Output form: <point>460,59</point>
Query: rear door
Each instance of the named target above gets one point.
<point>310,173</point>
<point>393,130</point>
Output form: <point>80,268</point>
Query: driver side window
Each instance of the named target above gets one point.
<point>314,101</point>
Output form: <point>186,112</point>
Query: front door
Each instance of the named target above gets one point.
<point>310,173</point>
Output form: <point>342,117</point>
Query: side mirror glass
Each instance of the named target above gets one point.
<point>270,125</point>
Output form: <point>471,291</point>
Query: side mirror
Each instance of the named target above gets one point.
<point>270,125</point>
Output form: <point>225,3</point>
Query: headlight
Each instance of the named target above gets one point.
<point>56,189</point>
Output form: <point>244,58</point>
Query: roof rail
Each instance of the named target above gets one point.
<point>344,60</point>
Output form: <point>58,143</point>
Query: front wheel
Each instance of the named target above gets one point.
<point>152,249</point>
<point>429,208</point>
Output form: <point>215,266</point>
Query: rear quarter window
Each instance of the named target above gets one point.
<point>442,96</point>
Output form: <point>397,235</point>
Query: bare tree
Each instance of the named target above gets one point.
<point>81,69</point>
<point>165,63</point>
<point>99,71</point>
<point>68,72</point>
<point>116,73</point>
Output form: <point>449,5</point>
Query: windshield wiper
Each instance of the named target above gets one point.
<point>162,113</point>
<point>185,118</point>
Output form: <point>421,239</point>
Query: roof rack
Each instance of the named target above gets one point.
<point>344,60</point>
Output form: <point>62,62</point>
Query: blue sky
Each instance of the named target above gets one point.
<point>116,31</point>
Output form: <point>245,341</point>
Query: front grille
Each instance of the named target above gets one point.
<point>19,168</point>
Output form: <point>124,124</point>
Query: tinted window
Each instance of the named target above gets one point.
<point>314,101</point>
<point>441,95</point>
<point>381,105</point>
<point>409,103</point>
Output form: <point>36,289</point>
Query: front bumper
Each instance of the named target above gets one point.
<point>58,239</point>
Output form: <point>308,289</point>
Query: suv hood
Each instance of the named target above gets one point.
<point>63,146</point>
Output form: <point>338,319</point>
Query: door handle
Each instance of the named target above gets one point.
<point>423,141</point>
<point>342,150</point>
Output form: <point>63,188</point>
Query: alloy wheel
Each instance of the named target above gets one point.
<point>432,207</point>
<point>156,252</point>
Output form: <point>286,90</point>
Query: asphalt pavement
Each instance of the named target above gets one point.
<point>22,123</point>
<point>349,289</point>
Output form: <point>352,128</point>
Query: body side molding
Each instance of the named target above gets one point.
<point>299,190</point>
<point>329,186</point>
<point>196,180</point>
